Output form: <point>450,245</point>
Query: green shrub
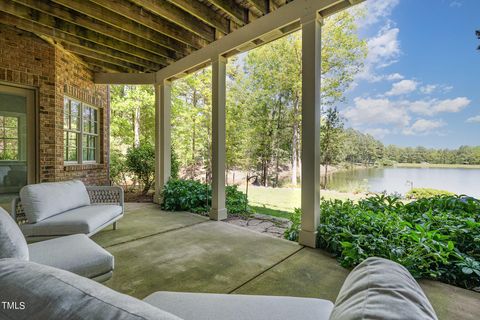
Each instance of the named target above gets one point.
<point>420,193</point>
<point>194,196</point>
<point>141,162</point>
<point>436,238</point>
<point>118,168</point>
<point>296,220</point>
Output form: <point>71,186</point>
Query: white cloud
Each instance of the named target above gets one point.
<point>394,77</point>
<point>402,87</point>
<point>428,89</point>
<point>434,106</point>
<point>378,133</point>
<point>376,10</point>
<point>475,119</point>
<point>383,50</point>
<point>376,111</point>
<point>456,4</point>
<point>423,127</point>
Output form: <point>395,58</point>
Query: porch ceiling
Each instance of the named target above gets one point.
<point>137,36</point>
<point>132,36</point>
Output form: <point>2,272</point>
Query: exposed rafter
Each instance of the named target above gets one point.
<point>100,27</point>
<point>204,13</point>
<point>114,19</point>
<point>262,5</point>
<point>27,13</point>
<point>236,12</point>
<point>176,15</point>
<point>59,36</point>
<point>134,12</point>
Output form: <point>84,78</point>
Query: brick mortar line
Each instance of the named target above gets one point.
<point>266,270</point>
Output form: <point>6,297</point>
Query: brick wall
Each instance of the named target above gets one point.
<point>28,60</point>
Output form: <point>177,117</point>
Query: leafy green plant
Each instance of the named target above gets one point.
<point>435,238</point>
<point>420,193</point>
<point>194,196</point>
<point>294,230</point>
<point>141,162</point>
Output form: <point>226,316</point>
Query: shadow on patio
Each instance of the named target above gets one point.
<point>156,250</point>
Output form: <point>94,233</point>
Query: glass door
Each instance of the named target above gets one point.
<point>17,140</point>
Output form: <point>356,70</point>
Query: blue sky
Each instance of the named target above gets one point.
<point>421,81</point>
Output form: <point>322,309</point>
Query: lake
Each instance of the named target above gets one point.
<point>457,180</point>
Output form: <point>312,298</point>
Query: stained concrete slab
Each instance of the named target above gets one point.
<point>207,257</point>
<point>308,273</point>
<point>313,273</point>
<point>143,220</point>
<point>452,302</point>
<point>157,250</point>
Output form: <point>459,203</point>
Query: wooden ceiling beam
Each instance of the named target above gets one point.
<point>21,11</point>
<point>105,65</point>
<point>81,20</point>
<point>236,12</point>
<point>176,15</point>
<point>60,36</point>
<point>204,13</point>
<point>116,20</point>
<point>136,13</point>
<point>262,5</point>
<point>46,32</point>
<point>85,52</point>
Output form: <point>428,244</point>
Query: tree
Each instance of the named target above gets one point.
<point>141,162</point>
<point>331,140</point>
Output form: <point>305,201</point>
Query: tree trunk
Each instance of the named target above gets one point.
<point>326,176</point>
<point>295,145</point>
<point>136,126</point>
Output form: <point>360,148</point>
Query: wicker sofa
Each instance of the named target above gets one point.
<point>48,210</point>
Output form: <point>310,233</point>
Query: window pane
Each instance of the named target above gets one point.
<point>72,154</point>
<point>75,115</point>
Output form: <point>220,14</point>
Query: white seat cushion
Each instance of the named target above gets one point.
<point>380,289</point>
<point>43,200</point>
<point>12,241</point>
<point>54,294</point>
<point>76,253</point>
<point>80,220</point>
<point>207,306</point>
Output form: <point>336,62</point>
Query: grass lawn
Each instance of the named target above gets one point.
<point>280,202</point>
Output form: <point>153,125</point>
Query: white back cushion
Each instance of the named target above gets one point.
<point>54,294</point>
<point>12,241</point>
<point>41,201</point>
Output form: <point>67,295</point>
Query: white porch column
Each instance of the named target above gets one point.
<point>218,211</point>
<point>311,32</point>
<point>162,137</point>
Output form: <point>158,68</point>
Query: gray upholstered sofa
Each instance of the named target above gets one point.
<point>75,253</point>
<point>49,210</point>
<point>376,289</point>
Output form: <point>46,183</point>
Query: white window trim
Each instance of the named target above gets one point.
<point>80,133</point>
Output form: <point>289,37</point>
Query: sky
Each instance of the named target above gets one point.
<point>421,82</point>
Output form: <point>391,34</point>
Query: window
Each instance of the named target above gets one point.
<point>80,137</point>
<point>9,139</point>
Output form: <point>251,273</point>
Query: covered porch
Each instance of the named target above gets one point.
<point>178,251</point>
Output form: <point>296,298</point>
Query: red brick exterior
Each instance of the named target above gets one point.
<point>30,61</point>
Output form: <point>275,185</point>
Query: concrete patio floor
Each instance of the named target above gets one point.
<point>156,250</point>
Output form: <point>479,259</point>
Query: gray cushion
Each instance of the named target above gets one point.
<point>50,293</point>
<point>44,200</point>
<point>12,241</point>
<point>381,289</point>
<point>76,253</point>
<point>205,306</point>
<point>80,220</point>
